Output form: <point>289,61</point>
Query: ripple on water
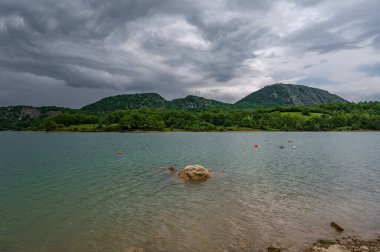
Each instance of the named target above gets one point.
<point>73,192</point>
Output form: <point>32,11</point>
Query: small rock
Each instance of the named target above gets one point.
<point>336,248</point>
<point>274,248</point>
<point>337,227</point>
<point>363,248</point>
<point>171,169</point>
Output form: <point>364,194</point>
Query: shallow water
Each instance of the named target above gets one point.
<point>73,192</point>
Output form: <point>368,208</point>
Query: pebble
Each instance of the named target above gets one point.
<point>363,248</point>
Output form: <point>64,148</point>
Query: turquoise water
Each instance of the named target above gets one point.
<point>73,192</point>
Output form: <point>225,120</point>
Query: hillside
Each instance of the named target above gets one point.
<point>18,117</point>
<point>150,100</point>
<point>192,102</point>
<point>289,94</point>
<point>269,96</point>
<point>127,101</point>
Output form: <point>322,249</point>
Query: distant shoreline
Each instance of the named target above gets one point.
<point>184,131</point>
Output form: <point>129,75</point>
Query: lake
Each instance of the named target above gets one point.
<point>73,192</point>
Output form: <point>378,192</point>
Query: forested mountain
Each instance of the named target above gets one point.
<point>151,100</point>
<point>289,94</point>
<point>269,96</point>
<point>192,102</point>
<point>127,101</point>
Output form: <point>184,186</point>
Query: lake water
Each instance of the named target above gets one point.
<point>73,192</point>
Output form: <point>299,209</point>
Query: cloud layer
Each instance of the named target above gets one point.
<point>73,52</point>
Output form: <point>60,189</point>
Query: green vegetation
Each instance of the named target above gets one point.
<point>127,101</point>
<point>147,112</point>
<point>151,100</point>
<point>325,117</point>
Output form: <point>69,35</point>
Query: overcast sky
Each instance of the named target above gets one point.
<point>73,52</point>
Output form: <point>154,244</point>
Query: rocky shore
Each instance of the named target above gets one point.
<point>350,243</point>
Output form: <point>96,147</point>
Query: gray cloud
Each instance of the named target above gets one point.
<point>219,49</point>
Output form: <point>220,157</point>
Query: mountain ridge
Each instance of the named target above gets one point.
<point>278,94</point>
<point>269,96</point>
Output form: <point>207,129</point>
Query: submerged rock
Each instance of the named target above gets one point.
<point>171,169</point>
<point>274,248</point>
<point>194,173</point>
<point>337,227</point>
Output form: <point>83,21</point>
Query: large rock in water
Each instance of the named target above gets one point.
<point>194,173</point>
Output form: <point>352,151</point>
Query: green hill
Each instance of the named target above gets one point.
<point>289,94</point>
<point>127,101</point>
<point>150,100</point>
<point>269,96</point>
<point>192,102</point>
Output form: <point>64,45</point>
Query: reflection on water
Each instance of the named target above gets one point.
<point>74,192</point>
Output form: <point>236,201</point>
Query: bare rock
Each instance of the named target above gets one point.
<point>194,173</point>
<point>363,248</point>
<point>336,248</point>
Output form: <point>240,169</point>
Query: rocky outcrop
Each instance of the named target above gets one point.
<point>351,243</point>
<point>194,173</point>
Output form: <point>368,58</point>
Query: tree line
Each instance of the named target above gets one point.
<point>338,116</point>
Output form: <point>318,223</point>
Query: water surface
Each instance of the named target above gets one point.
<point>73,192</point>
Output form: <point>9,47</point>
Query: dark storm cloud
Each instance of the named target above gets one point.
<point>348,26</point>
<point>171,47</point>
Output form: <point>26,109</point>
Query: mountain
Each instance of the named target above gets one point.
<point>289,94</point>
<point>151,100</point>
<point>192,102</point>
<point>127,101</point>
<point>269,96</point>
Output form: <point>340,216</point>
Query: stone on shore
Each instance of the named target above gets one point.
<point>336,248</point>
<point>194,173</point>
